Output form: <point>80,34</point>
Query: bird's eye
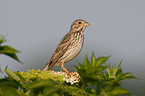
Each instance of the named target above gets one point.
<point>79,22</point>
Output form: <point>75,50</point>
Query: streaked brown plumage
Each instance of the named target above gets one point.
<point>69,47</point>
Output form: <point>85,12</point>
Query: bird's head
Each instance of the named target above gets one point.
<point>79,25</point>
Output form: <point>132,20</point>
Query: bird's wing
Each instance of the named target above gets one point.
<point>60,50</point>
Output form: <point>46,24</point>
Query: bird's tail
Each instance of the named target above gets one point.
<point>50,65</point>
<point>47,67</point>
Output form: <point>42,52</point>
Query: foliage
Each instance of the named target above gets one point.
<point>8,50</point>
<point>106,78</point>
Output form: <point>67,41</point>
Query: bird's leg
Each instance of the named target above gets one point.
<point>65,69</point>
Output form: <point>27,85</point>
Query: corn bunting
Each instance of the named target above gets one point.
<point>69,47</point>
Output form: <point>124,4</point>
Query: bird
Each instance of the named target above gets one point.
<point>69,46</point>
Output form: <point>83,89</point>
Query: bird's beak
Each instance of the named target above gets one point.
<point>86,24</point>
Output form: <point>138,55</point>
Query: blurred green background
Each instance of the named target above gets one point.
<point>117,28</point>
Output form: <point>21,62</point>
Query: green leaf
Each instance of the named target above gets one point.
<point>14,56</point>
<point>9,51</point>
<point>93,59</point>
<point>47,91</point>
<point>90,72</point>
<point>126,76</point>
<point>22,81</point>
<point>1,70</point>
<point>86,62</point>
<point>42,83</point>
<point>75,91</point>
<point>6,68</point>
<point>17,77</point>
<point>2,39</point>
<point>119,72</point>
<point>9,91</point>
<point>114,92</point>
<point>8,83</point>
<point>12,75</point>
<point>115,73</point>
<point>120,91</point>
<point>101,60</point>
<point>28,93</point>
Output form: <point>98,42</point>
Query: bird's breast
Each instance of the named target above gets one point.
<point>75,47</point>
